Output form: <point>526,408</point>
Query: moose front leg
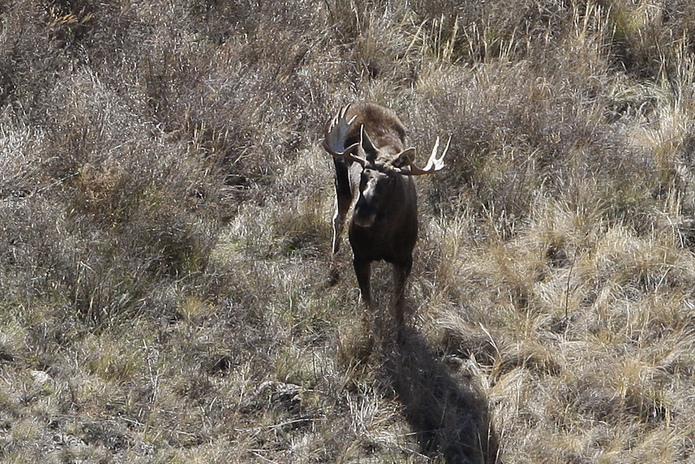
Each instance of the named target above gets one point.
<point>401,271</point>
<point>363,272</point>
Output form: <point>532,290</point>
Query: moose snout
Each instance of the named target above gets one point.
<point>364,221</point>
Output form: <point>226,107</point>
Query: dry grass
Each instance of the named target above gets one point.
<point>165,210</point>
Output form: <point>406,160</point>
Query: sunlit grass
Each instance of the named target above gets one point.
<point>166,206</point>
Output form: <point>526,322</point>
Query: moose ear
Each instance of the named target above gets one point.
<point>404,158</point>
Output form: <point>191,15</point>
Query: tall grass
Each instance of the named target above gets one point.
<point>165,209</point>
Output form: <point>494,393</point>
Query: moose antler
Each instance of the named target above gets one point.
<point>338,132</point>
<point>337,135</point>
<point>434,163</point>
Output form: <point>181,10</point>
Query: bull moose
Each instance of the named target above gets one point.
<point>373,178</point>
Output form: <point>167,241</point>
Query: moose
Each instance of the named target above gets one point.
<point>373,179</point>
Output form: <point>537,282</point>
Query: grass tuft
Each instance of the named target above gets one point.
<point>165,226</point>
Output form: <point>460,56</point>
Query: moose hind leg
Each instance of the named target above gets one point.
<point>341,209</point>
<point>343,196</point>
<point>342,206</point>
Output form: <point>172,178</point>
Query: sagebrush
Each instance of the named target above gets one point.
<point>165,208</point>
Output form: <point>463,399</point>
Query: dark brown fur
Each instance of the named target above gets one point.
<point>392,210</point>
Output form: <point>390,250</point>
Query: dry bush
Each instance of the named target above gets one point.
<point>484,32</point>
<point>166,220</point>
<point>555,122</point>
<point>117,213</point>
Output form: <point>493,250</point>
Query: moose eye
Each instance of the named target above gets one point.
<point>368,174</point>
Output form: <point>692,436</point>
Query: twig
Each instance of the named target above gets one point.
<point>567,296</point>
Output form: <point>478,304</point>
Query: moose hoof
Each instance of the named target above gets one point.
<point>333,278</point>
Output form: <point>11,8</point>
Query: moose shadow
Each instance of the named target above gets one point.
<point>446,410</point>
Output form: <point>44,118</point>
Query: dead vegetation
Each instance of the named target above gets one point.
<point>165,209</point>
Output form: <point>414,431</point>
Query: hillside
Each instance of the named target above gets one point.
<point>165,211</point>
